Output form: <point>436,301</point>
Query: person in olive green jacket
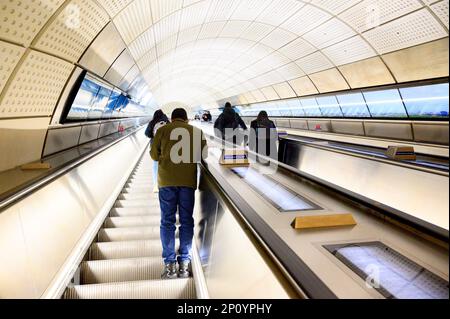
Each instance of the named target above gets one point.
<point>178,147</point>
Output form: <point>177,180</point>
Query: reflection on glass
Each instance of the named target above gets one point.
<point>285,108</point>
<point>426,101</point>
<point>296,107</point>
<point>272,109</point>
<point>353,105</point>
<point>83,101</point>
<point>99,103</point>
<point>329,106</point>
<point>111,105</point>
<point>310,107</point>
<point>387,103</point>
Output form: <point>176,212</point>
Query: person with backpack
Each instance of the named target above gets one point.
<point>227,123</point>
<point>264,136</point>
<point>159,120</point>
<point>179,148</point>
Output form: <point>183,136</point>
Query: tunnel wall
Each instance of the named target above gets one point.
<point>38,234</point>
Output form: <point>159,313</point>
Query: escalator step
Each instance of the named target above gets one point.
<point>136,211</point>
<point>121,270</point>
<point>156,289</point>
<point>140,196</point>
<point>136,221</point>
<point>128,234</point>
<point>126,249</point>
<point>136,203</point>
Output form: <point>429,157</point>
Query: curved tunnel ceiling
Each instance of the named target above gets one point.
<point>199,52</point>
<point>204,51</point>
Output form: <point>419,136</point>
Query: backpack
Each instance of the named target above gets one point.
<point>158,126</point>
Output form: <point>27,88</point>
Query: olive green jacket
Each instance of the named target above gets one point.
<point>178,148</point>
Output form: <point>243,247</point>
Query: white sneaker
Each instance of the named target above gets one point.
<point>156,189</point>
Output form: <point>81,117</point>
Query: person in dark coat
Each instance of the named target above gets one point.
<point>264,136</point>
<point>227,124</point>
<point>159,120</point>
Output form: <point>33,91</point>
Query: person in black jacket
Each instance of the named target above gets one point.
<point>227,124</point>
<point>159,120</point>
<point>264,136</point>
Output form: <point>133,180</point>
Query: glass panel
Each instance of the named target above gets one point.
<point>112,103</point>
<point>329,106</point>
<point>296,107</point>
<point>387,103</point>
<point>99,103</point>
<point>353,105</point>
<point>426,101</point>
<point>311,108</point>
<point>284,107</point>
<point>272,109</point>
<point>83,101</point>
<point>120,106</point>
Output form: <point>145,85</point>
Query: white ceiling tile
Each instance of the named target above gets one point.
<point>306,19</point>
<point>188,35</point>
<point>413,29</point>
<point>166,45</point>
<point>221,10</point>
<point>22,20</point>
<point>164,8</point>
<point>167,27</point>
<point>348,51</point>
<point>314,63</point>
<point>257,31</point>
<point>69,39</point>
<point>290,71</point>
<point>134,20</point>
<point>142,44</point>
<point>234,29</point>
<point>113,7</point>
<point>250,9</point>
<point>372,13</point>
<point>279,11</point>
<point>194,15</point>
<point>211,30</point>
<point>333,6</point>
<point>278,38</point>
<point>329,33</point>
<point>441,10</point>
<point>297,49</point>
<point>9,55</point>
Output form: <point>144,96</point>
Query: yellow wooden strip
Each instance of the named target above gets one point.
<point>35,166</point>
<point>323,221</point>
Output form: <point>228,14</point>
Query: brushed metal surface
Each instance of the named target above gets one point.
<point>61,139</point>
<point>348,127</point>
<point>299,124</point>
<point>283,123</point>
<point>398,131</point>
<point>103,51</point>
<point>319,125</point>
<point>89,133</point>
<point>436,133</point>
<point>108,128</point>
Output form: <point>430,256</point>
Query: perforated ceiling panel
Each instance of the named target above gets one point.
<point>113,7</point>
<point>20,21</point>
<point>36,87</point>
<point>415,28</point>
<point>441,10</point>
<point>9,57</point>
<point>73,30</point>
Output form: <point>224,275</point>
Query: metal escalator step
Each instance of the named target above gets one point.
<point>140,196</point>
<point>137,203</point>
<point>155,289</point>
<point>135,221</point>
<point>135,211</point>
<point>126,249</point>
<point>139,190</point>
<point>128,234</point>
<point>121,270</point>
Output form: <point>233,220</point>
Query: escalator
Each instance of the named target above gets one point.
<point>125,262</point>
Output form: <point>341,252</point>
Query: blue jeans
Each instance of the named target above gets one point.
<point>172,199</point>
